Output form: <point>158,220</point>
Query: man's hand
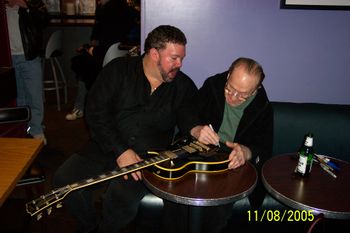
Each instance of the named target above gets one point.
<point>239,155</point>
<point>205,134</point>
<point>127,158</point>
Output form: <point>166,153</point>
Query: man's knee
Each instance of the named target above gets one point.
<point>68,172</point>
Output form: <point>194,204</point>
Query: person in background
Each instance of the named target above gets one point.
<point>114,21</point>
<point>26,22</point>
<point>134,34</point>
<point>236,105</point>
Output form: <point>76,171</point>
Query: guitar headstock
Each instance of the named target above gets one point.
<point>47,202</point>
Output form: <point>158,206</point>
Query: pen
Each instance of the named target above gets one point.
<point>324,163</point>
<point>211,127</point>
<point>326,169</point>
<point>327,162</point>
<point>333,165</point>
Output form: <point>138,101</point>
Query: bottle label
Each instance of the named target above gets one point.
<point>302,164</point>
<point>309,141</point>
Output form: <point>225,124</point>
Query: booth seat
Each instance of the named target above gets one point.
<point>330,125</point>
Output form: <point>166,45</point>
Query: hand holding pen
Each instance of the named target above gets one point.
<point>206,135</point>
<point>218,140</point>
<point>239,153</point>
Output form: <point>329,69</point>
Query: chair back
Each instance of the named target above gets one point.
<point>14,114</point>
<point>113,52</point>
<point>54,44</point>
<point>14,121</point>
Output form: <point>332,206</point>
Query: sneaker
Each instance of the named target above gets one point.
<point>75,114</point>
<point>42,137</point>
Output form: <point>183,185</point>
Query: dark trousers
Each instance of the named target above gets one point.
<point>120,200</point>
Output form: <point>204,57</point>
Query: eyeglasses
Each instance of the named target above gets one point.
<point>229,90</point>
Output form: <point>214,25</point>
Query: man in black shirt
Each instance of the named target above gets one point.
<point>133,106</point>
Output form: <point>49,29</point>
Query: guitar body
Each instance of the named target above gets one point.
<point>179,167</point>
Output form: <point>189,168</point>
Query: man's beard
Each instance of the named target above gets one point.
<point>165,75</point>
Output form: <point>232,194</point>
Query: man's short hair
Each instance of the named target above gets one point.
<point>252,66</point>
<point>163,34</point>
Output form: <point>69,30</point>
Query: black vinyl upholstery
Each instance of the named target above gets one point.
<point>329,123</point>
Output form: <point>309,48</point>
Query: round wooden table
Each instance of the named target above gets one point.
<point>319,192</point>
<point>205,189</point>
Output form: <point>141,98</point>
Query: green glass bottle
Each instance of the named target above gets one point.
<point>306,156</point>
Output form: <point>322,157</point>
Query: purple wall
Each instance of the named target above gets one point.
<point>305,53</point>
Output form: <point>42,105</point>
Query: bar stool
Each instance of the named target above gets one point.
<point>52,51</point>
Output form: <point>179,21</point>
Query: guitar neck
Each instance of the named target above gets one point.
<point>55,196</point>
<point>162,157</point>
<point>35,207</point>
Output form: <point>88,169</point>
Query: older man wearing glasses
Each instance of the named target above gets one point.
<point>235,105</point>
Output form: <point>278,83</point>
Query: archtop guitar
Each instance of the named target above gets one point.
<point>188,156</point>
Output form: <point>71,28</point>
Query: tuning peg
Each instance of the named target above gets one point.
<point>39,216</point>
<point>59,205</point>
<point>49,210</point>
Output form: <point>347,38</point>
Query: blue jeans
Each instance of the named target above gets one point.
<point>81,96</point>
<point>29,80</point>
<point>120,200</point>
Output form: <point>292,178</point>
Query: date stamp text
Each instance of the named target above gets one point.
<point>280,215</point>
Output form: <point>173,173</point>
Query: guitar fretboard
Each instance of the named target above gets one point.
<point>122,171</point>
<point>35,207</point>
<point>56,195</point>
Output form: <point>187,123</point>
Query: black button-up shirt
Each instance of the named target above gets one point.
<point>122,113</point>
